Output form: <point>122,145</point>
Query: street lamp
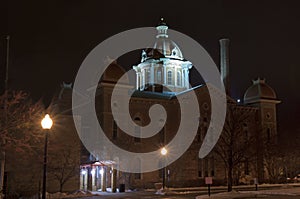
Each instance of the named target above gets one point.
<point>164,152</point>
<point>46,125</point>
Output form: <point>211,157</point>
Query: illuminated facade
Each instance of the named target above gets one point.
<point>162,75</point>
<point>163,67</point>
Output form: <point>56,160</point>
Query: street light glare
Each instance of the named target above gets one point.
<point>47,122</point>
<point>163,151</point>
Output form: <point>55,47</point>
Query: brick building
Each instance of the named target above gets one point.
<point>161,77</point>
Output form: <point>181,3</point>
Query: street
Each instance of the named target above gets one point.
<point>144,194</point>
<point>177,195</point>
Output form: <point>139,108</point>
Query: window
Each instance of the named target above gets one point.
<point>206,167</point>
<point>246,135</point>
<point>199,137</point>
<point>178,78</point>
<point>183,75</point>
<point>159,76</point>
<point>137,133</point>
<point>115,131</point>
<point>160,171</point>
<point>138,81</point>
<point>246,165</point>
<point>169,78</point>
<point>212,167</point>
<point>162,136</point>
<point>268,134</point>
<point>200,162</point>
<point>149,76</point>
<point>138,175</point>
<point>143,80</point>
<point>204,130</point>
<point>137,129</point>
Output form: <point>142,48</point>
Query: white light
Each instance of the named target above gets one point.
<point>238,100</point>
<point>93,171</point>
<point>163,151</point>
<point>101,171</point>
<point>47,122</point>
<point>83,172</point>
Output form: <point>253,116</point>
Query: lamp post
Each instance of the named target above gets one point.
<point>164,152</point>
<point>46,125</point>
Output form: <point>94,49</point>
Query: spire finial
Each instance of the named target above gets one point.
<point>162,22</point>
<point>162,28</point>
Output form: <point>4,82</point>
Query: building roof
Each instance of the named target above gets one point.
<point>163,95</point>
<point>113,73</point>
<point>259,90</point>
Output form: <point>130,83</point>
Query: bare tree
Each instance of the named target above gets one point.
<point>19,121</point>
<point>64,165</point>
<point>234,144</point>
<point>19,127</point>
<point>280,158</point>
<point>274,162</point>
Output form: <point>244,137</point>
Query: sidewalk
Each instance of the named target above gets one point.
<point>287,190</point>
<point>262,186</point>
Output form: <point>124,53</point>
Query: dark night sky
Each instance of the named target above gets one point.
<point>50,40</point>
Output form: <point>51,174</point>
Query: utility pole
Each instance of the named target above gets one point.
<point>3,162</point>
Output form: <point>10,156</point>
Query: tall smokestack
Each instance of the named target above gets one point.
<point>224,59</point>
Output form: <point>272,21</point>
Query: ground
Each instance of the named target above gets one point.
<point>291,191</point>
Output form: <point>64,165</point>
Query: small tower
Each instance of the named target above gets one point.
<point>162,68</point>
<point>262,96</point>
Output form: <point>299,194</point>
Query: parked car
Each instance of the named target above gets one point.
<point>297,178</point>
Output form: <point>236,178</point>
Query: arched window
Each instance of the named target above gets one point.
<point>148,76</point>
<point>178,78</point>
<point>138,81</point>
<point>114,130</point>
<point>184,80</point>
<point>268,134</point>
<point>162,136</point>
<point>169,77</point>
<point>200,168</point>
<point>212,167</point>
<point>142,80</point>
<point>206,167</point>
<point>138,175</point>
<point>159,76</point>
<point>137,129</point>
<point>246,167</point>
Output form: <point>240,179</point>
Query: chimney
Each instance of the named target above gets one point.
<point>224,59</point>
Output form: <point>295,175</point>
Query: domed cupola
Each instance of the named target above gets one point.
<point>259,91</point>
<point>162,68</point>
<point>164,45</point>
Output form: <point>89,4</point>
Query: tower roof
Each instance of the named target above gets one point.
<point>113,73</point>
<point>259,90</point>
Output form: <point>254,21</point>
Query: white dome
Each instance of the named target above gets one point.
<point>168,48</point>
<point>163,47</point>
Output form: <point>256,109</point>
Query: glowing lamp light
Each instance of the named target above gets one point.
<point>83,172</point>
<point>238,100</point>
<point>164,151</point>
<point>101,171</point>
<point>47,122</point>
